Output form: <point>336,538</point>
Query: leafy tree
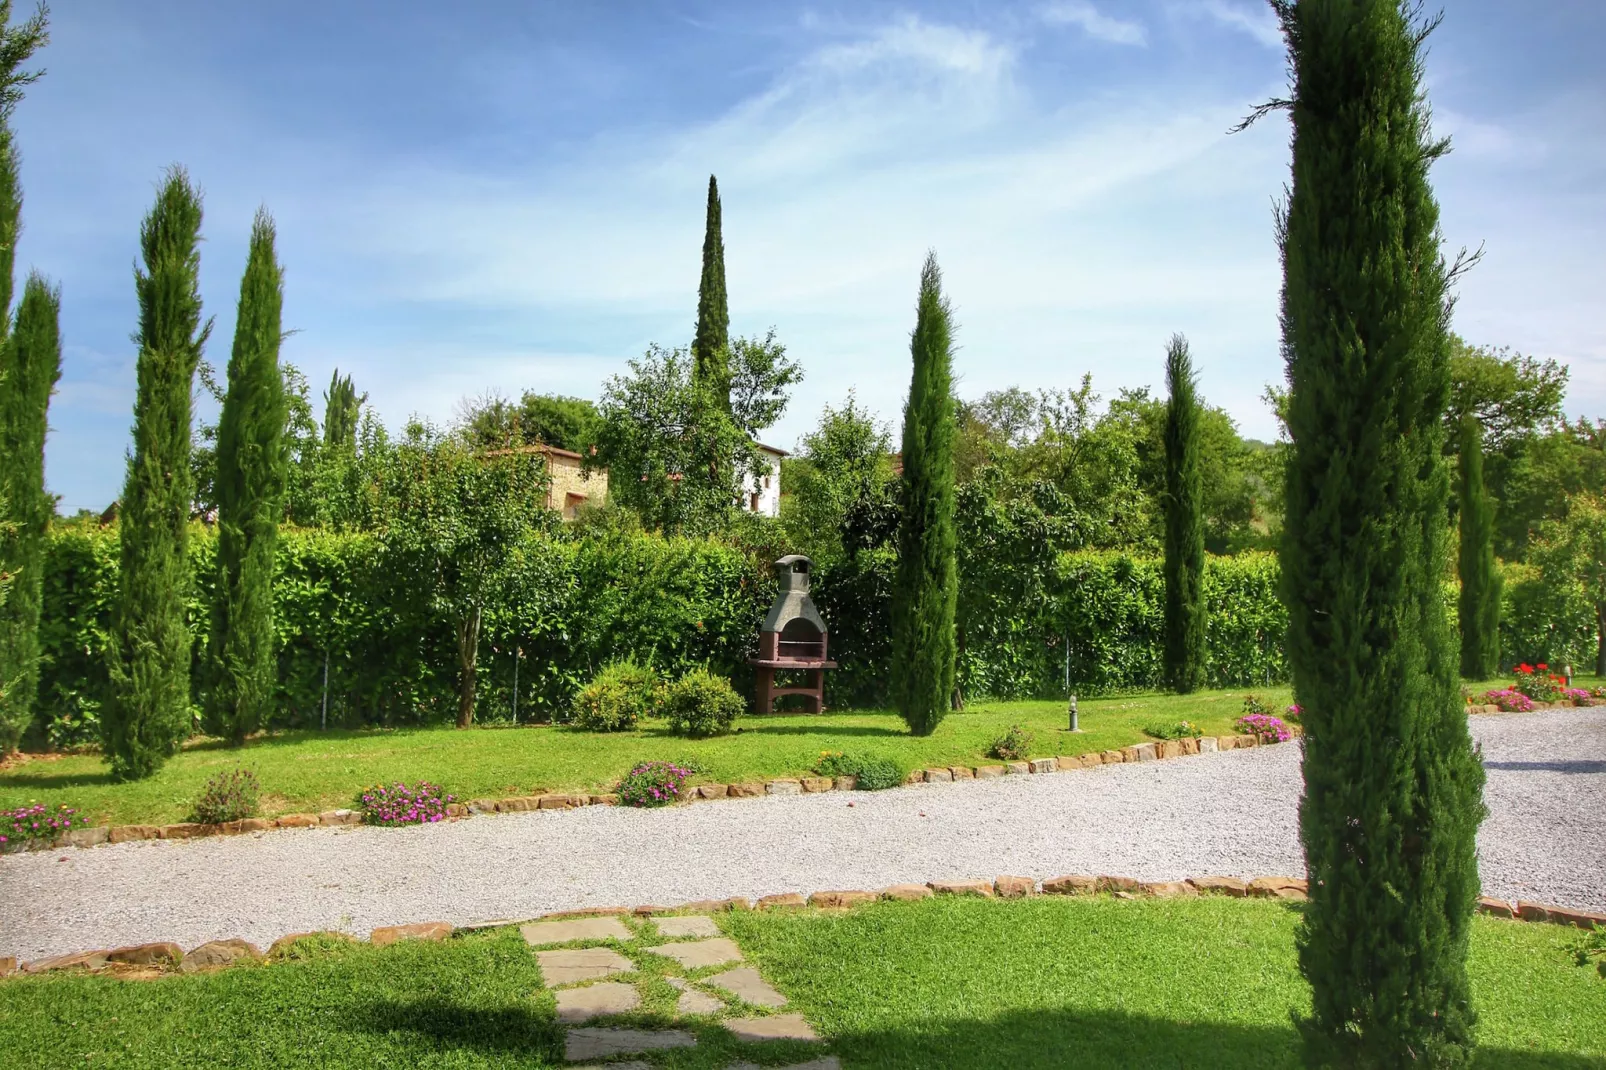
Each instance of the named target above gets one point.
<point>1511,396</point>
<point>843,460</point>
<point>925,593</point>
<point>711,343</point>
<point>494,422</point>
<point>250,491</point>
<point>453,517</point>
<point>676,454</point>
<point>1184,525</point>
<point>1571,553</point>
<point>1480,576</point>
<point>1392,784</point>
<point>147,713</point>
<point>341,408</point>
<point>30,365</point>
<point>1536,476</point>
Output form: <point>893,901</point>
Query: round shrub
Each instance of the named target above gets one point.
<point>231,796</point>
<point>701,704</point>
<point>653,784</point>
<point>1173,730</point>
<point>1013,746</point>
<point>617,698</point>
<point>878,774</point>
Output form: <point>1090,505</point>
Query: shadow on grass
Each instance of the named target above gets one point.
<point>758,724</point>
<point>55,780</point>
<point>1065,1039</point>
<point>483,1029</point>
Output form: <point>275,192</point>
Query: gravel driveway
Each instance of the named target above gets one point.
<point>1230,814</point>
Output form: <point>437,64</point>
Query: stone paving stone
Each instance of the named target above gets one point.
<point>746,984</point>
<point>714,952</point>
<point>694,1002</point>
<point>600,1043</point>
<point>695,925</point>
<point>829,1062</point>
<point>583,1004</point>
<point>541,933</point>
<point>775,1027</point>
<point>1206,744</point>
<point>1016,768</point>
<point>571,967</point>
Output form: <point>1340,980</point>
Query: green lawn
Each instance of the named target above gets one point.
<point>947,983</point>
<point>311,771</point>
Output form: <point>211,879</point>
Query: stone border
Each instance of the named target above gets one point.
<point>1489,707</point>
<point>144,961</point>
<point>1153,750</point>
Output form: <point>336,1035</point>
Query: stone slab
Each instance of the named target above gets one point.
<point>783,787</point>
<point>1071,884</point>
<point>92,836</point>
<point>543,933</point>
<point>989,772</point>
<point>907,891</point>
<point>1206,744</point>
<point>981,888</point>
<point>1016,768</point>
<point>714,952</point>
<point>1044,765</point>
<point>633,1064</point>
<point>935,776</point>
<point>694,1002</point>
<point>587,964</point>
<point>596,1043</point>
<point>695,925</point>
<point>775,1027</point>
<point>1014,887</point>
<point>423,930</point>
<point>829,1062</point>
<point>841,899</point>
<point>594,1001</point>
<point>163,953</point>
<point>217,953</point>
<point>746,984</point>
<point>818,783</point>
<point>1220,886</point>
<point>962,772</point>
<point>783,899</point>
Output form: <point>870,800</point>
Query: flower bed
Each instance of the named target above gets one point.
<point>1508,700</point>
<point>653,784</point>
<point>402,804</point>
<point>35,823</point>
<point>1265,727</point>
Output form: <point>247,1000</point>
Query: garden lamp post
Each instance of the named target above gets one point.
<point>1074,728</point>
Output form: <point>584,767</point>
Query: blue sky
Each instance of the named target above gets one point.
<point>505,196</point>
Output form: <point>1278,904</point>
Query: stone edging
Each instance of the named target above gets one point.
<point>144,961</point>
<point>1489,707</point>
<point>1153,750</point>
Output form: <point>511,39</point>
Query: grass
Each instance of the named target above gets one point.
<point>961,983</point>
<point>312,771</point>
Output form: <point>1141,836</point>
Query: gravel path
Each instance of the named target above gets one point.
<point>1230,814</point>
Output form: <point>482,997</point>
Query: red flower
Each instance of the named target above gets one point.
<point>1543,666</point>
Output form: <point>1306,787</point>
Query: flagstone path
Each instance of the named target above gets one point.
<point>602,967</point>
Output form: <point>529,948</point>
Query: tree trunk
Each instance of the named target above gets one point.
<point>1600,647</point>
<point>468,649</point>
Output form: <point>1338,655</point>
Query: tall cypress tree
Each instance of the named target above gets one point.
<point>710,345</point>
<point>341,406</point>
<point>30,365</point>
<point>147,713</point>
<point>1480,576</point>
<point>1392,786</point>
<point>251,469</point>
<point>1184,525</point>
<point>926,591</point>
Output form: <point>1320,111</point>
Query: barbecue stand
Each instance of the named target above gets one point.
<point>793,639</point>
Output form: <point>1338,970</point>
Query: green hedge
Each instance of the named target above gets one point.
<point>572,605</point>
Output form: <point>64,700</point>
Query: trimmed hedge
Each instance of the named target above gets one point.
<point>573,605</point>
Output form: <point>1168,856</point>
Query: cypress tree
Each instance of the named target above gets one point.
<point>341,407</point>
<point>147,712</point>
<point>710,345</point>
<point>1480,577</point>
<point>30,365</point>
<point>926,590</point>
<point>251,469</point>
<point>1184,525</point>
<point>1392,785</point>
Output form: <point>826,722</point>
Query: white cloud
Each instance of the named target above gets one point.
<point>946,48</point>
<point>1254,19</point>
<point>1082,13</point>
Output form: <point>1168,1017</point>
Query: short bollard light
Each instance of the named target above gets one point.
<point>1073,715</point>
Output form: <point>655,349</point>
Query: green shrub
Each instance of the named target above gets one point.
<point>1173,730</point>
<point>232,796</point>
<point>878,774</point>
<point>1014,745</point>
<point>870,774</point>
<point>617,698</point>
<point>1255,704</point>
<point>701,704</point>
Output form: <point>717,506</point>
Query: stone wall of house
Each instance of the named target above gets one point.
<point>571,487</point>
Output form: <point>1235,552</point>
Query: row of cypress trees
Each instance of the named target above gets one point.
<point>148,710</point>
<point>30,365</point>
